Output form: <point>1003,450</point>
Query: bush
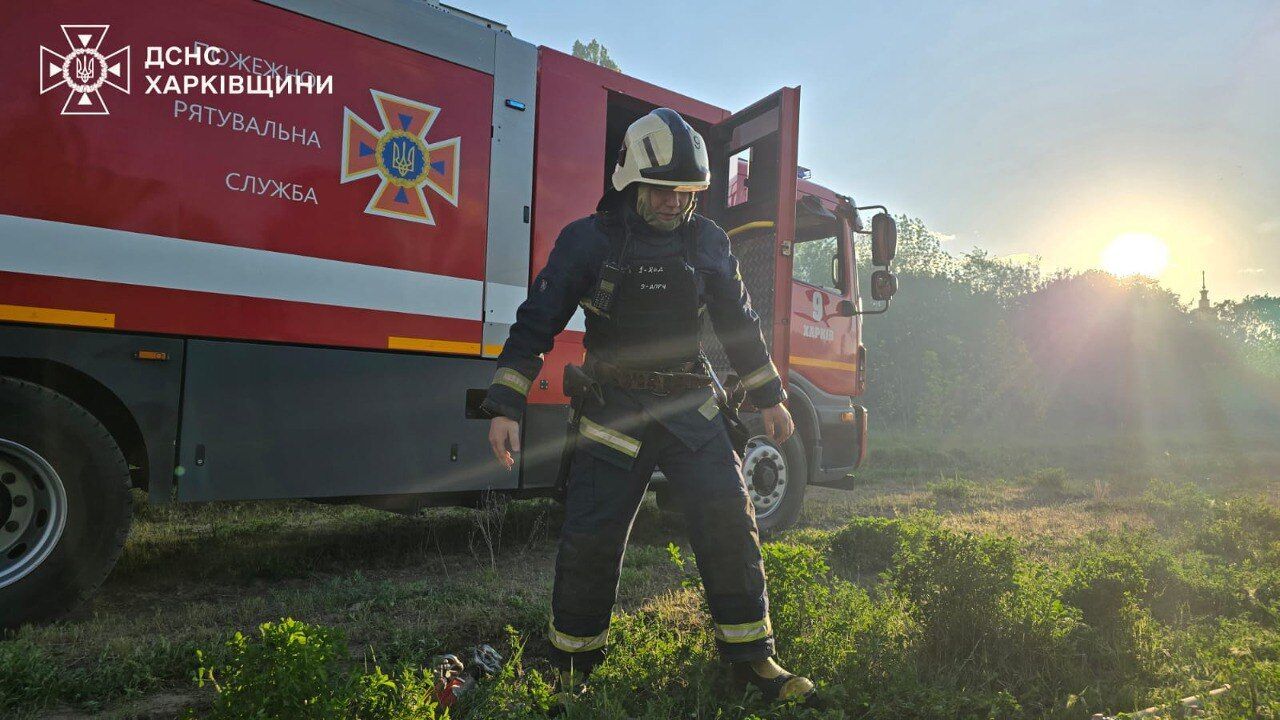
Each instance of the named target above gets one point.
<point>956,583</point>
<point>867,544</point>
<point>288,671</point>
<point>1177,502</point>
<point>292,671</point>
<point>655,664</point>
<point>409,695</point>
<point>1190,583</point>
<point>953,489</point>
<point>1102,584</point>
<point>798,587</point>
<point>1244,529</point>
<point>988,634</point>
<point>1171,586</point>
<point>1049,480</point>
<point>827,626</point>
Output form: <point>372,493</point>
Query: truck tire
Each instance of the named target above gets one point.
<point>65,504</point>
<point>776,477</point>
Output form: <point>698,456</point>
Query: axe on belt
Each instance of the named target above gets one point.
<point>730,401</point>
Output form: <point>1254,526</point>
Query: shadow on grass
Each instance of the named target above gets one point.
<point>270,540</point>
<point>258,541</point>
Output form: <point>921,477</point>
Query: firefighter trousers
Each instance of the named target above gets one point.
<point>600,508</point>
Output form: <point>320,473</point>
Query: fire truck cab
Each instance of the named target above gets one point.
<point>226,296</point>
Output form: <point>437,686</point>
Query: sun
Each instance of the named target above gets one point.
<point>1135,254</point>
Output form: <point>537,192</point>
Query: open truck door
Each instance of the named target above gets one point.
<point>753,196</point>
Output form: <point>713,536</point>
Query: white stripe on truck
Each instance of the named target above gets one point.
<point>44,247</point>
<point>503,301</point>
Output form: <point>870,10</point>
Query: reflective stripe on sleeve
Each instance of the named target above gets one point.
<point>575,643</point>
<point>760,377</point>
<point>624,444</point>
<point>513,380</point>
<point>744,632</point>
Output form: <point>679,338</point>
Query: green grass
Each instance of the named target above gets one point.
<point>998,582</point>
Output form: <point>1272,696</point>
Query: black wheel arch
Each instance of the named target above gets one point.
<point>806,419</point>
<point>94,397</point>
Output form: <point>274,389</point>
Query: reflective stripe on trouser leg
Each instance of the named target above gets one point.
<point>575,643</point>
<point>744,632</point>
<point>599,509</point>
<point>710,490</point>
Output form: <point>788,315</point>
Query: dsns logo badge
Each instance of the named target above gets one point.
<point>84,69</point>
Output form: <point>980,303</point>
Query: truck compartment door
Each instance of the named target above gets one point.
<point>752,195</point>
<point>276,421</point>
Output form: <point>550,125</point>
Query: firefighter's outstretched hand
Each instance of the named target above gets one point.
<point>504,438</point>
<point>777,423</point>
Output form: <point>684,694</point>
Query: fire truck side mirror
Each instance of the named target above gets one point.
<point>884,239</point>
<point>884,285</point>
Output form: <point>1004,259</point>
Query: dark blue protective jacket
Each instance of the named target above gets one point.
<point>612,429</point>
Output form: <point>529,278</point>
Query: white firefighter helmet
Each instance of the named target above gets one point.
<point>661,149</point>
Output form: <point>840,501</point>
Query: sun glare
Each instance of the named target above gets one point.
<point>1136,254</point>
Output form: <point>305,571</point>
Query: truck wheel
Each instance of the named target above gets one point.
<point>776,477</point>
<point>65,505</point>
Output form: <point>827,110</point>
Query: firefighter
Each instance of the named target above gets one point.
<point>645,268</point>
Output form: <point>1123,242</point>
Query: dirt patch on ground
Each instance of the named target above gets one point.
<point>160,706</point>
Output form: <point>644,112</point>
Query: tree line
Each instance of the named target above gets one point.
<point>977,343</point>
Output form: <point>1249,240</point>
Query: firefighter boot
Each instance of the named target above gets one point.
<point>775,683</point>
<point>571,685</point>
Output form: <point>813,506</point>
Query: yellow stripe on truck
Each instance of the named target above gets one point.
<point>456,347</point>
<point>53,316</point>
<point>819,362</point>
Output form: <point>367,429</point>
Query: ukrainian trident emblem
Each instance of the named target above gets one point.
<point>399,154</point>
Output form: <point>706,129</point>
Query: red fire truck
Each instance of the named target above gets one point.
<point>294,284</point>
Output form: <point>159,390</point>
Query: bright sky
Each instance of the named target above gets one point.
<point>1025,128</point>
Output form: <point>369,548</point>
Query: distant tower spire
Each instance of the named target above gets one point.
<point>1204,305</point>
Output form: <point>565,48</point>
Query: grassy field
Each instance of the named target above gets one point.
<point>957,580</point>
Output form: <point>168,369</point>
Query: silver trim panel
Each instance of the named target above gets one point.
<point>510,187</point>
